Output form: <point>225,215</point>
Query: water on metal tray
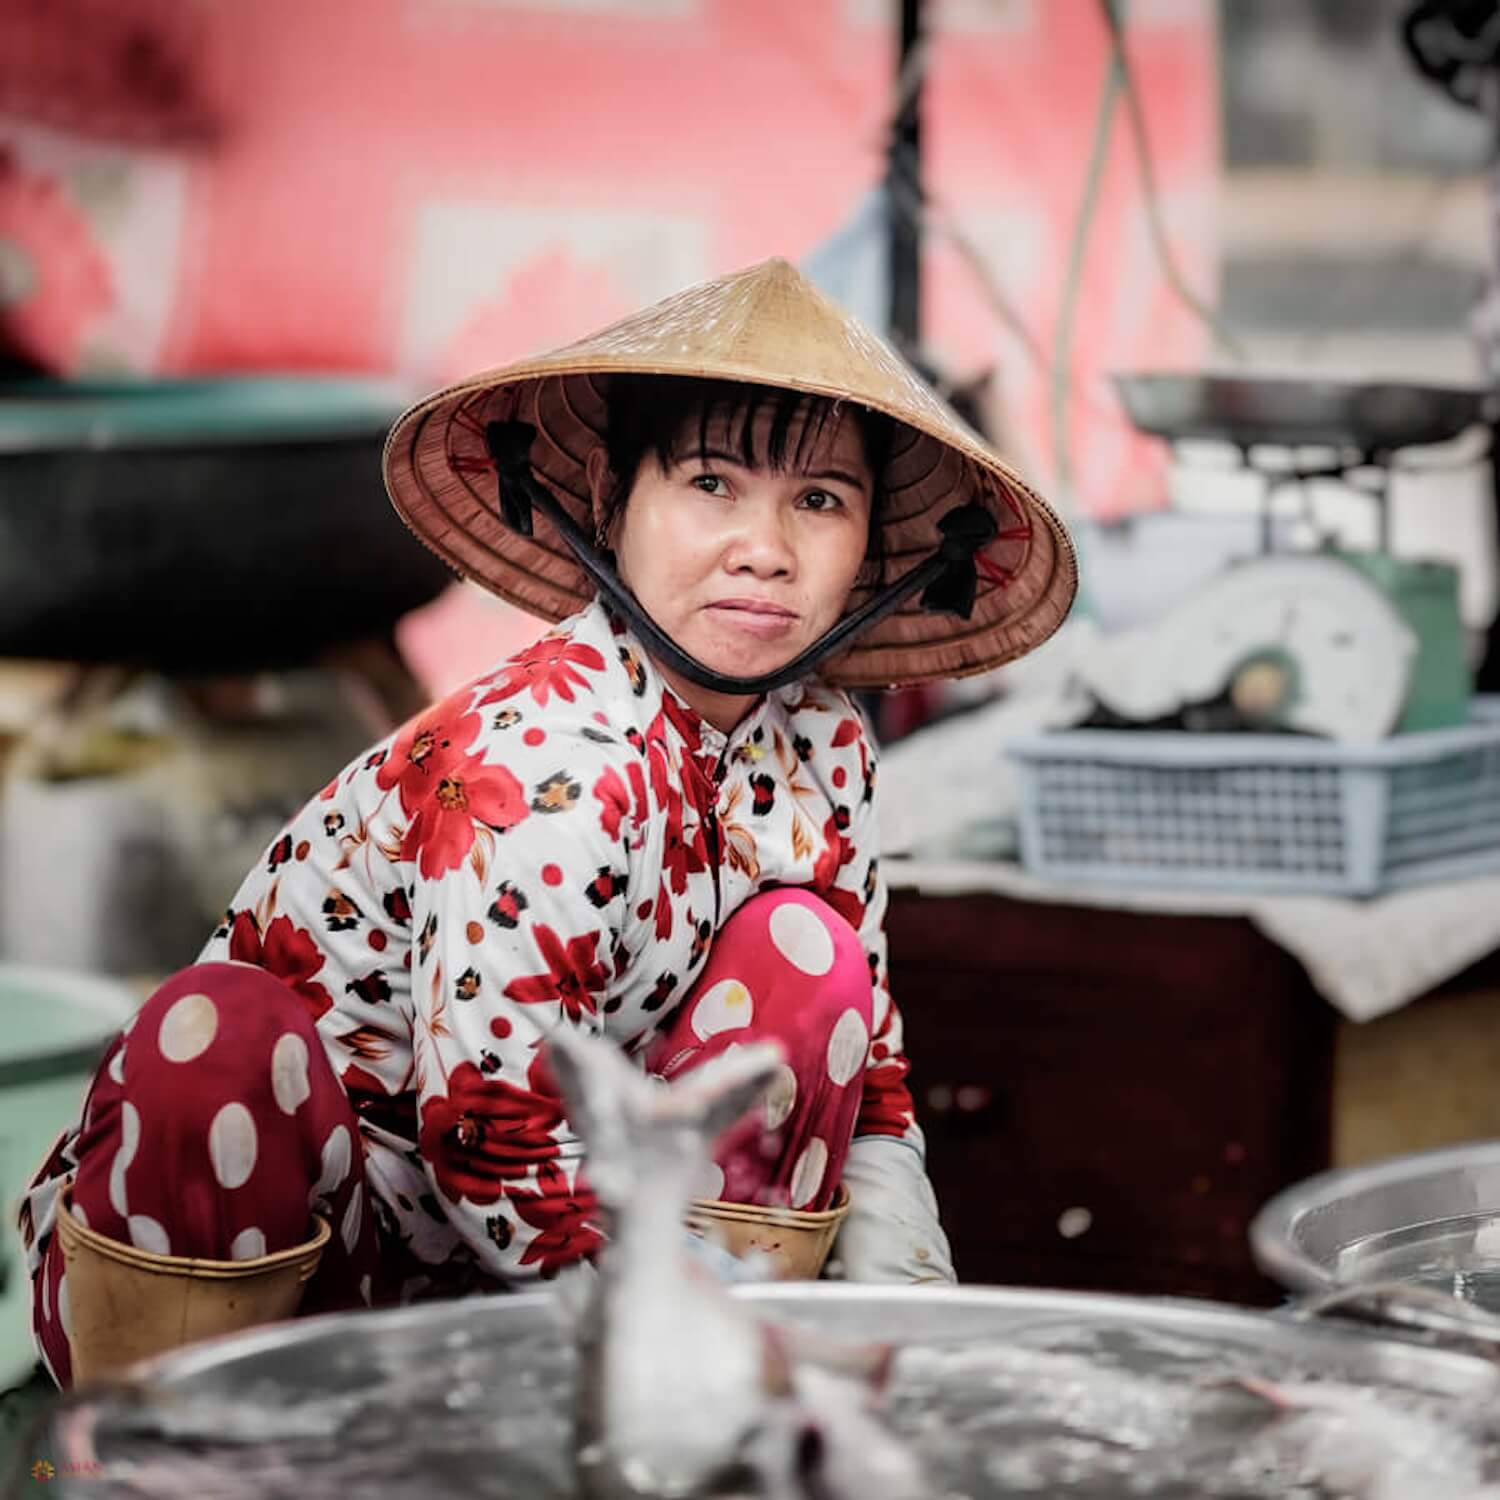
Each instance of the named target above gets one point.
<point>1460,1256</point>
<point>1059,1406</point>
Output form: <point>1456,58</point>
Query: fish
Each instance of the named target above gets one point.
<point>683,1392</point>
<point>1361,1445</point>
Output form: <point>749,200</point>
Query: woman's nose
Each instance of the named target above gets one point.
<point>762,546</point>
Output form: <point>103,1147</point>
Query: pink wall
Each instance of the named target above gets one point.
<point>434,186</point>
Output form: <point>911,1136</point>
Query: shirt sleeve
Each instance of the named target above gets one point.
<point>525,935</point>
<point>859,892</point>
<point>892,1232</point>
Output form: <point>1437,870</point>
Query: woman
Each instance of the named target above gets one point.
<point>657,823</point>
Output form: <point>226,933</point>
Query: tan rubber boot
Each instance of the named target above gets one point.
<point>125,1304</point>
<point>796,1241</point>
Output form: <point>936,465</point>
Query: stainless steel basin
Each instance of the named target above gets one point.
<point>1430,1219</point>
<point>1000,1392</point>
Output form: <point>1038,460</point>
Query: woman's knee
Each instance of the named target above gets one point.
<point>810,943</point>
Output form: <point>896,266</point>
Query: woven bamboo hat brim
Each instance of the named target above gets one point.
<point>767,326</point>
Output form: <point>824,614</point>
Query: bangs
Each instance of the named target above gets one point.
<point>672,417</point>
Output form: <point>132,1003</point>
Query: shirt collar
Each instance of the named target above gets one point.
<point>659,695</point>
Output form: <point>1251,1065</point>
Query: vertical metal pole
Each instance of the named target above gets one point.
<point>904,190</point>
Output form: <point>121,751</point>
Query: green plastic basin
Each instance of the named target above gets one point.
<point>56,1025</point>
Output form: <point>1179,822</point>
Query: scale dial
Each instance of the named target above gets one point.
<point>1344,653</point>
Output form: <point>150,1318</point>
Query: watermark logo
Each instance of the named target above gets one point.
<point>44,1469</point>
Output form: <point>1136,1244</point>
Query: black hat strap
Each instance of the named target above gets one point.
<point>948,578</point>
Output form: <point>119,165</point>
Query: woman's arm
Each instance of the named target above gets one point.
<point>892,1233</point>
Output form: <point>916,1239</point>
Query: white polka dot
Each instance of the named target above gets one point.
<point>188,1028</point>
<point>801,938</point>
<point>807,1175</point>
<point>248,1244</point>
<point>289,1072</point>
<point>232,1145</point>
<point>64,1308</point>
<point>350,1227</point>
<point>781,1096</point>
<point>79,1215</point>
<point>847,1047</point>
<point>130,1139</point>
<point>147,1234</point>
<point>116,1069</point>
<point>46,1294</point>
<point>725,1006</point>
<point>336,1158</point>
<point>365,1294</point>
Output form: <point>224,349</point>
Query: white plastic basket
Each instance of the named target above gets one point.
<point>1259,812</point>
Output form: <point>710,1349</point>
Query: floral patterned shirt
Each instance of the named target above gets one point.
<point>558,841</point>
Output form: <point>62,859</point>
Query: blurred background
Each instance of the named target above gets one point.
<point>1199,898</point>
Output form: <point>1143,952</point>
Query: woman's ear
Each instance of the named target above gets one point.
<point>596,470</point>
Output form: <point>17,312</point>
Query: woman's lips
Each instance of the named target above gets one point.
<point>755,616</point>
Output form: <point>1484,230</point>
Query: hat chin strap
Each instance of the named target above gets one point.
<point>947,578</point>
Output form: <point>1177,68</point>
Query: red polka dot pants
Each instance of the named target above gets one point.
<point>786,967</point>
<point>215,1125</point>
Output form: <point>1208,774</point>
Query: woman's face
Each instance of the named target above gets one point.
<point>744,567</point>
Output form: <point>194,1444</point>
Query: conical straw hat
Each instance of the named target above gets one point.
<point>767,326</point>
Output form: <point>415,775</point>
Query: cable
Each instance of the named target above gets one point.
<point>1073,276</point>
<point>1164,254</point>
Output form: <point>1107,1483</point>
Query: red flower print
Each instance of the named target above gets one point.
<point>423,748</point>
<point>846,904</point>
<point>574,974</point>
<point>285,951</point>
<point>445,791</point>
<point>396,1113</point>
<point>443,830</point>
<point>485,1132</point>
<point>885,1108</point>
<point>360,1085</point>
<point>549,666</point>
<point>846,733</point>
<point>837,852</point>
<point>614,802</point>
<point>564,1219</point>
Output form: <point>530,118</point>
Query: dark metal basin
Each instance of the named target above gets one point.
<point>1371,418</point>
<point>200,526</point>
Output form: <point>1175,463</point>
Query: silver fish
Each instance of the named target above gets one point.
<point>682,1392</point>
<point>1360,1444</point>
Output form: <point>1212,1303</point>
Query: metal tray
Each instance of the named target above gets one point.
<point>1372,419</point>
<point>1000,1391</point>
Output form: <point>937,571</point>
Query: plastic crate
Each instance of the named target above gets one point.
<point>1257,812</point>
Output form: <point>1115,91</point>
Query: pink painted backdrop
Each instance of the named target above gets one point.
<point>434,186</point>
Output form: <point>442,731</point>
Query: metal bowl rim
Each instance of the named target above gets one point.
<point>1272,1241</point>
<point>1180,1314</point>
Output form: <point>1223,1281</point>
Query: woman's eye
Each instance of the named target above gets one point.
<point>820,500</point>
<point>710,484</point>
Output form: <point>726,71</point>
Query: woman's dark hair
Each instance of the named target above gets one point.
<point>649,414</point>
